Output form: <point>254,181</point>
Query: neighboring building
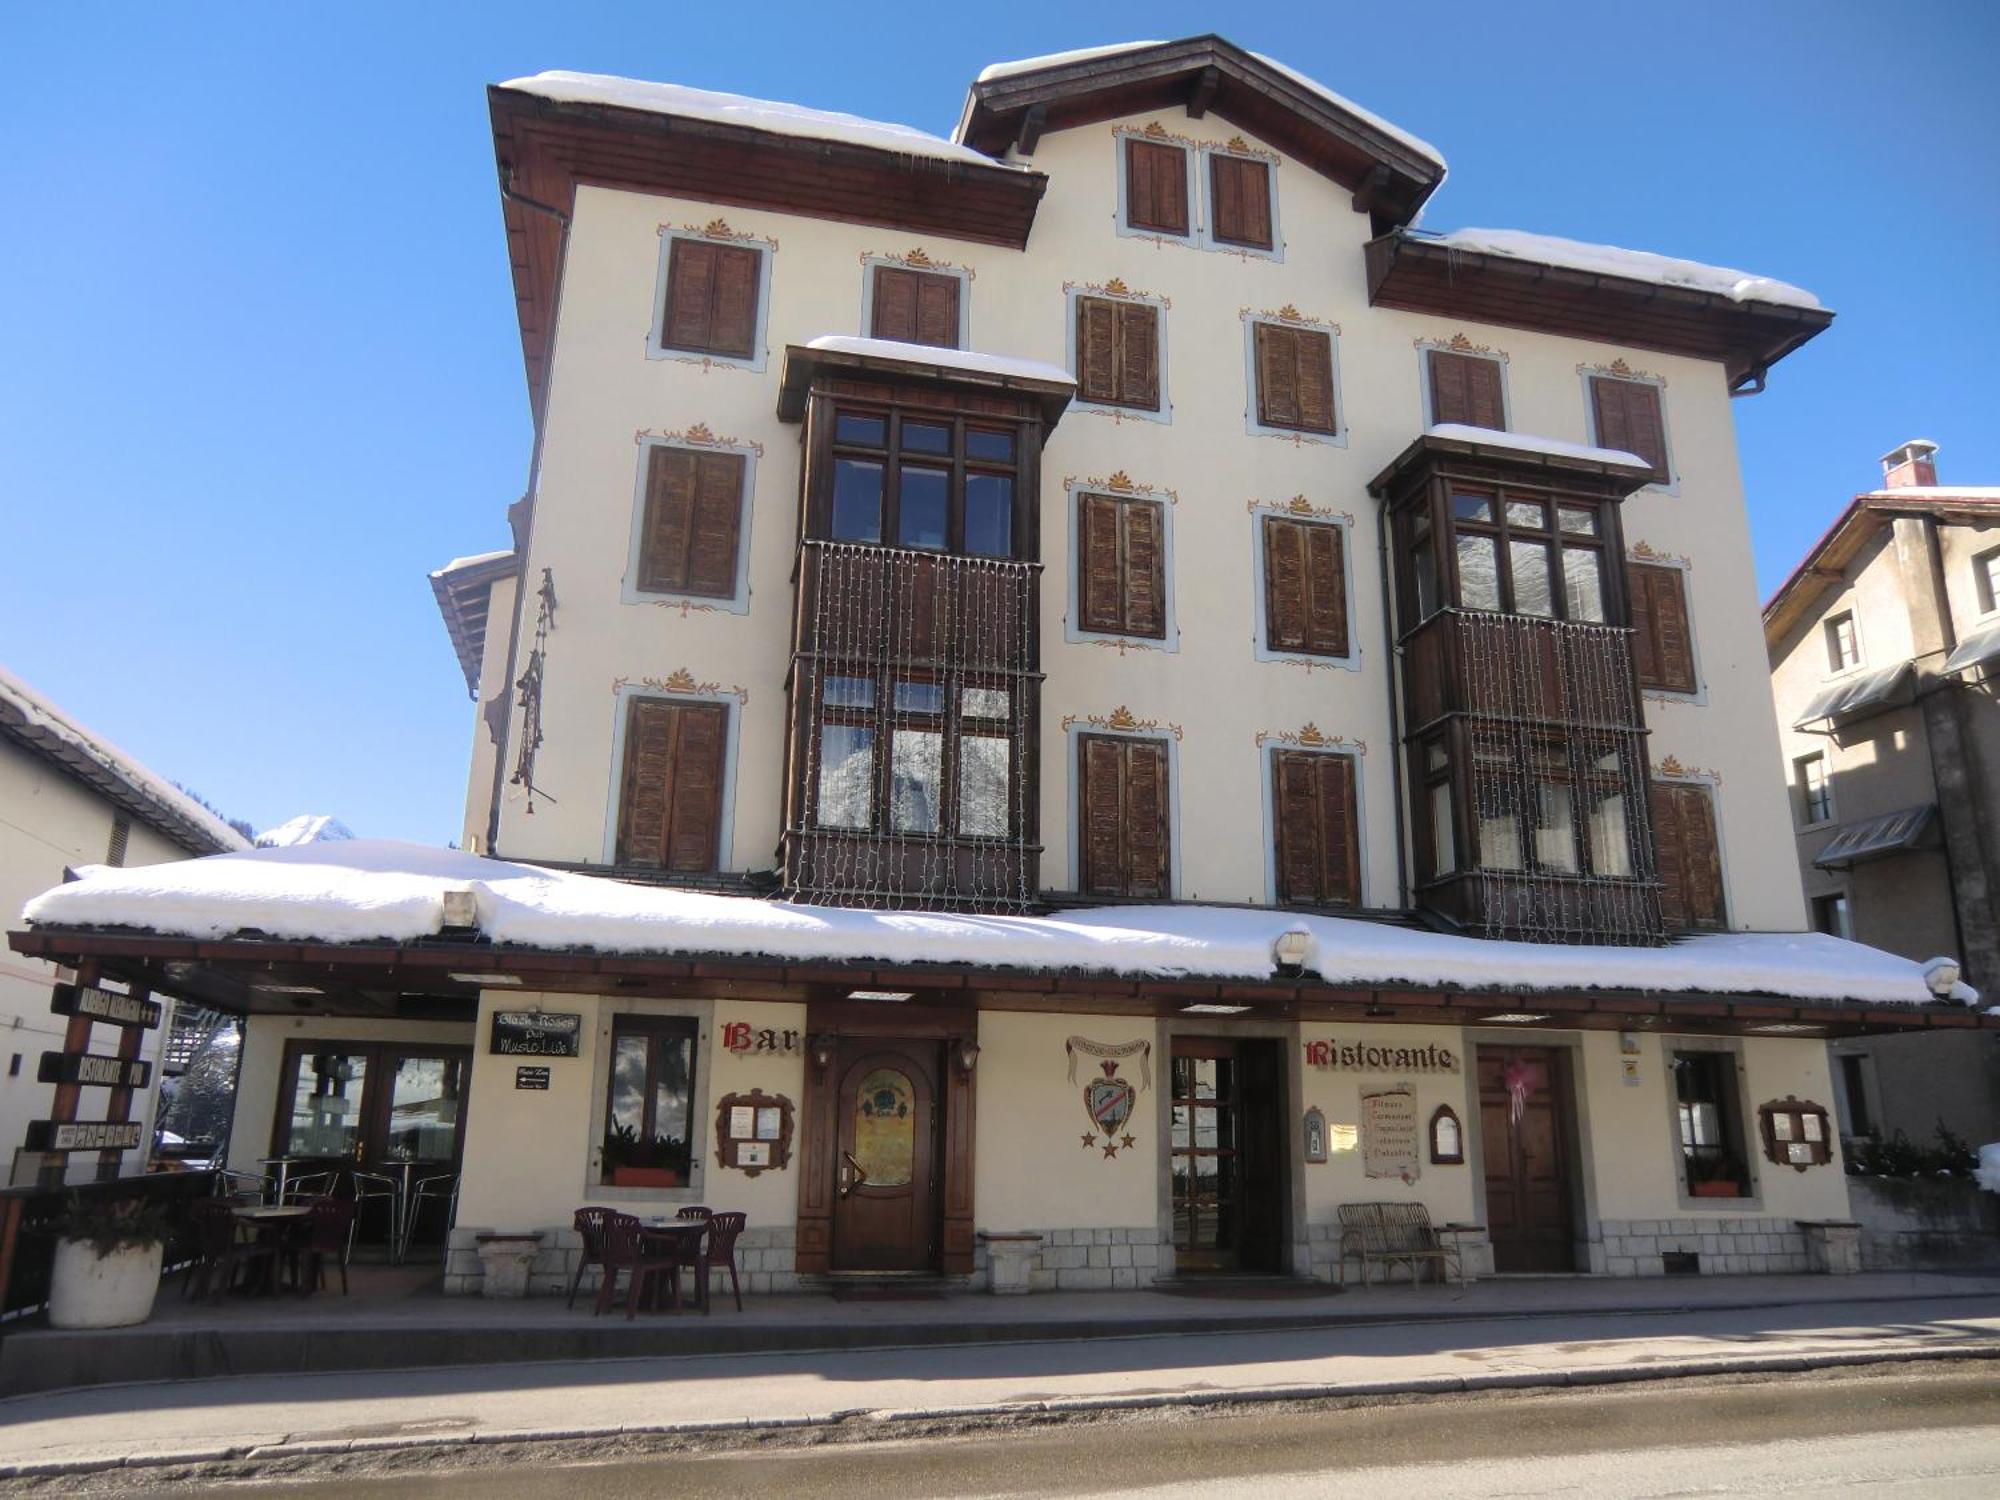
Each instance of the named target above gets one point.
<point>1166,622</point>
<point>69,798</point>
<point>1884,643</point>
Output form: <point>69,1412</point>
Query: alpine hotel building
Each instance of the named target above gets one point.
<point>1088,689</point>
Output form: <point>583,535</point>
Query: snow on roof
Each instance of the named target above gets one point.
<point>471,562</point>
<point>380,890</point>
<point>1056,59</point>
<point>970,360</point>
<point>37,719</point>
<point>306,828</point>
<point>1637,265</point>
<point>737,109</point>
<point>1340,101</point>
<point>1936,492</point>
<point>1490,437</point>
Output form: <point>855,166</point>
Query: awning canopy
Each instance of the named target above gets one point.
<point>1974,651</point>
<point>1863,694</point>
<point>1875,838</point>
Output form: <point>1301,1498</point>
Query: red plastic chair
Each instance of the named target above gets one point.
<point>589,1225</point>
<point>223,1250</point>
<point>722,1232</point>
<point>625,1249</point>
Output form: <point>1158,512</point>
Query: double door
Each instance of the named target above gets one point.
<point>1227,1154</point>
<point>1525,1120</point>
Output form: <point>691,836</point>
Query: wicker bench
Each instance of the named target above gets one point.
<point>1387,1234</point>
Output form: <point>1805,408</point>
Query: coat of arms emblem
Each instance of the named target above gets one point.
<point>1108,1101</point>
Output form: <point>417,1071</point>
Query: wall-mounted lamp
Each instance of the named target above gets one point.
<point>822,1049</point>
<point>1291,950</point>
<point>967,1053</point>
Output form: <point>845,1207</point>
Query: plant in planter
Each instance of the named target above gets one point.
<point>632,1161</point>
<point>107,1262</point>
<point>1716,1177</point>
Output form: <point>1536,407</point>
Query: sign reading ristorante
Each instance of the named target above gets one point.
<point>1377,1057</point>
<point>88,1067</point>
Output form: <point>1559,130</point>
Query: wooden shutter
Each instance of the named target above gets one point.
<point>694,516</point>
<point>1294,378</point>
<point>1143,567</point>
<point>1097,350</point>
<point>1628,417</point>
<point>915,307</point>
<point>1662,642</point>
<point>1317,832</point>
<point>1124,844</point>
<point>1099,586</point>
<point>1121,565</point>
<point>1118,352</point>
<point>1241,194</point>
<point>1305,587</point>
<point>1466,388</point>
<point>1156,187</point>
<point>711,298</point>
<point>1139,355</point>
<point>670,798</point>
<point>1688,854</point>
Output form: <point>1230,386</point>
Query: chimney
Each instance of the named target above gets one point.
<point>1914,463</point>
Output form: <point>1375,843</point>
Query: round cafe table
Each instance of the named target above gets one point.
<point>685,1236</point>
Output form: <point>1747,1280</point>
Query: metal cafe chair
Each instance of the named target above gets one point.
<point>371,1187</point>
<point>311,1185</point>
<point>441,1188</point>
<point>253,1186</point>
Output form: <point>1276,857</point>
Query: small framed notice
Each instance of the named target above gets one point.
<point>531,1078</point>
<point>769,1122</point>
<point>754,1154</point>
<point>753,1132</point>
<point>742,1122</point>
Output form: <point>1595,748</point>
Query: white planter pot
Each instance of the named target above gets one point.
<point>88,1290</point>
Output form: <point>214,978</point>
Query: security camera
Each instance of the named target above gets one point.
<point>1941,977</point>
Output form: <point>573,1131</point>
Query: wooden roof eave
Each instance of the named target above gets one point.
<point>1427,451</point>
<point>804,364</point>
<point>183,833</point>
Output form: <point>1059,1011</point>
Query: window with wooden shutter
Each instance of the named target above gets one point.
<point>1662,641</point>
<point>1315,828</point>
<point>1305,587</point>
<point>1124,846</point>
<point>693,519</point>
<point>1156,195</point>
<point>670,796</point>
<point>915,307</point>
<point>1294,378</point>
<point>1121,583</point>
<point>711,303</point>
<point>1688,854</point>
<point>1465,388</point>
<point>1118,353</point>
<point>1239,201</point>
<point>1628,417</point>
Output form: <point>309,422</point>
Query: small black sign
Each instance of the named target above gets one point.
<point>112,1072</point>
<point>536,1033</point>
<point>531,1078</point>
<point>104,1005</point>
<point>83,1135</point>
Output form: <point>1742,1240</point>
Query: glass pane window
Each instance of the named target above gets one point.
<point>1444,842</point>
<point>846,791</point>
<point>989,447</point>
<point>983,783</point>
<point>1713,1159</point>
<point>921,480</point>
<point>989,515</point>
<point>1843,645</point>
<point>649,1106</point>
<point>857,500</point>
<point>924,507</point>
<point>326,1105</point>
<point>1555,827</point>
<point>1577,521</point>
<point>1527,515</point>
<point>985,703</point>
<point>1499,825</point>
<point>848,692</point>
<point>916,780</point>
<point>1478,572</point>
<point>1424,565</point>
<point>1472,508</point>
<point>1610,838</point>
<point>885,1128</point>
<point>919,697</point>
<point>861,430</point>
<point>1583,585</point>
<point>423,1108</point>
<point>1815,792</point>
<point>925,437</point>
<point>1533,593</point>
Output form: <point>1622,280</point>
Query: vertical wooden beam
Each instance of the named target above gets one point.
<point>129,1040</point>
<point>76,1042</point>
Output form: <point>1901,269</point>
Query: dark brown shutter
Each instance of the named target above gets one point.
<point>718,519</point>
<point>670,797</point>
<point>735,326</point>
<point>1628,417</point>
<point>1100,590</point>
<point>1466,388</point>
<point>711,298</point>
<point>1242,198</point>
<point>1144,568</point>
<point>1688,854</point>
<point>1294,378</point>
<point>690,291</point>
<point>915,307</point>
<point>1097,349</point>
<point>1121,565</point>
<point>694,515</point>
<point>1124,844</point>
<point>1326,589</point>
<point>1118,352</point>
<point>1318,854</point>
<point>1148,855</point>
<point>1305,587</point>
<point>1139,355</point>
<point>1662,641</point>
<point>1101,839</point>
<point>1156,187</point>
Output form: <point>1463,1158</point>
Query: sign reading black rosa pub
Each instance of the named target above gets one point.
<point>536,1033</point>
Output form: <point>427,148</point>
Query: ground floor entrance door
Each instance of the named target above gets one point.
<point>1228,1159</point>
<point>886,1139</point>
<point>1525,1110</point>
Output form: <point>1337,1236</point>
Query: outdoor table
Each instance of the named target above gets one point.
<point>681,1231</point>
<point>1458,1250</point>
<point>270,1219</point>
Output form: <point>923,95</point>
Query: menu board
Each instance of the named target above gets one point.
<point>1389,1137</point>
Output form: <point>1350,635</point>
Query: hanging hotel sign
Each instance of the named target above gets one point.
<point>108,1006</point>
<point>85,1067</point>
<point>1389,1134</point>
<point>83,1135</point>
<point>1368,1057</point>
<point>536,1033</point>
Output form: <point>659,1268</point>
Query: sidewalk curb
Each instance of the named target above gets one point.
<point>1421,1385</point>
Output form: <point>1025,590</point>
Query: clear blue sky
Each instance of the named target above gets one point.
<point>261,372</point>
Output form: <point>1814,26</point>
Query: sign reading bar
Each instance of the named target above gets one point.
<point>531,1078</point>
<point>75,1067</point>
<point>104,1005</point>
<point>1370,1057</point>
<point>83,1135</point>
<point>535,1033</point>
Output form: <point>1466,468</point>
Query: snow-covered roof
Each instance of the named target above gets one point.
<point>737,109</point>
<point>1057,59</point>
<point>34,721</point>
<point>1002,366</point>
<point>306,828</point>
<point>378,890</point>
<point>1524,442</point>
<point>1340,101</point>
<point>1633,265</point>
<point>478,559</point>
<point>1936,492</point>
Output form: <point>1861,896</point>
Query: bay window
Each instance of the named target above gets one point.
<point>944,772</point>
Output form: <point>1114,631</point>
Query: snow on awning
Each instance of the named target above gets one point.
<point>378,890</point>
<point>1541,447</point>
<point>1974,651</point>
<point>1629,265</point>
<point>1050,385</point>
<point>1874,838</point>
<point>1863,694</point>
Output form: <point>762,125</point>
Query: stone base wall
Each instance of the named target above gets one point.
<point>1727,1247</point>
<point>1908,1224</point>
<point>764,1263</point>
<point>1088,1260</point>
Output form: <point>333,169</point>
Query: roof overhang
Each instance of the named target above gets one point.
<point>1415,274</point>
<point>804,364</point>
<point>1389,177</point>
<point>1878,838</point>
<point>464,593</point>
<point>545,148</point>
<point>1823,569</point>
<point>1504,458</point>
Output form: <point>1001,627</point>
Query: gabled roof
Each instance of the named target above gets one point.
<point>1390,171</point>
<point>38,726</point>
<point>464,590</point>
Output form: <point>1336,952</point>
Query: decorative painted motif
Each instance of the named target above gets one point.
<point>1310,737</point>
<point>1619,370</point>
<point>1671,769</point>
<point>1458,343</point>
<point>1301,507</point>
<point>719,228</point>
<point>1108,1101</point>
<point>699,435</point>
<point>916,258</point>
<point>885,1128</point>
<point>1122,720</point>
<point>1644,551</point>
<point>1288,314</point>
<point>681,681</point>
<point>1116,289</point>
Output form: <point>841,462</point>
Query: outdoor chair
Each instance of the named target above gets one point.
<point>589,1225</point>
<point>1388,1234</point>
<point>374,1187</point>
<point>722,1232</point>
<point>625,1250</point>
<point>303,1189</point>
<point>695,1211</point>
<point>442,1188</point>
<point>326,1232</point>
<point>243,1187</point>
<point>221,1249</point>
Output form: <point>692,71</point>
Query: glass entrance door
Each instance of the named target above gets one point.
<point>1226,1157</point>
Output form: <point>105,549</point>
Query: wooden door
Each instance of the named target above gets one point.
<point>885,1211</point>
<point>1228,1167</point>
<point>1524,1115</point>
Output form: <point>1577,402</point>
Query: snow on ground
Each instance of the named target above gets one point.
<point>381,890</point>
<point>737,109</point>
<point>1529,443</point>
<point>306,828</point>
<point>969,360</point>
<point>1637,265</point>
